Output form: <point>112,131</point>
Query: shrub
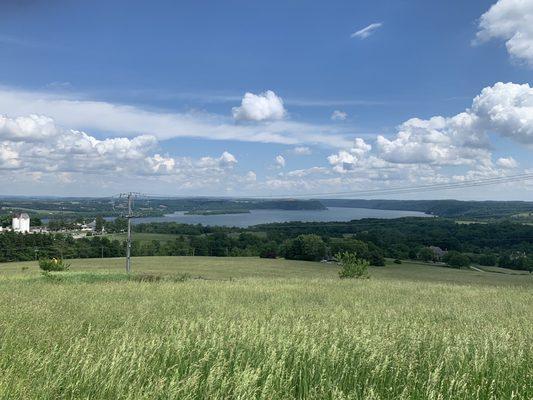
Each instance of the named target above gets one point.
<point>53,264</point>
<point>269,250</point>
<point>351,266</point>
<point>397,261</point>
<point>376,258</point>
<point>455,259</point>
<point>488,260</point>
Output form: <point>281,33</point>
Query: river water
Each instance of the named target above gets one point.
<point>256,217</point>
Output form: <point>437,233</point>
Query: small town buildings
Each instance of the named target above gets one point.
<point>21,223</point>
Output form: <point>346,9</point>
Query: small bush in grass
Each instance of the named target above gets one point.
<point>53,264</point>
<point>351,266</point>
<point>47,275</point>
<point>397,261</point>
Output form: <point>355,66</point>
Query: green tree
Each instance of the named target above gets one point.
<point>99,224</point>
<point>456,260</point>
<point>305,247</point>
<point>425,254</point>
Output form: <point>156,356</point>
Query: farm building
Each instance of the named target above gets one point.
<point>21,223</point>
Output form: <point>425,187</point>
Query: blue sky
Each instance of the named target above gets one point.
<point>101,96</point>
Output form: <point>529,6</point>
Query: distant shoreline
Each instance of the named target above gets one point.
<point>216,212</point>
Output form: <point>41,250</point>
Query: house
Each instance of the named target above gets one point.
<point>21,223</point>
<point>438,253</point>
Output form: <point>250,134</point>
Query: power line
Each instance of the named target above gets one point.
<point>418,188</point>
<point>386,191</point>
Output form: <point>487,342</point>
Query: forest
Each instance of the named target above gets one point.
<point>505,244</point>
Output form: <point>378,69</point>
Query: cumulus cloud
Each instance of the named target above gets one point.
<point>339,115</point>
<point>511,21</point>
<point>422,150</point>
<point>260,107</point>
<point>251,176</point>
<point>280,161</point>
<point>226,160</point>
<point>33,128</point>
<point>439,140</point>
<point>36,147</point>
<point>507,162</point>
<point>367,31</point>
<point>301,151</point>
<point>505,109</point>
<point>347,159</point>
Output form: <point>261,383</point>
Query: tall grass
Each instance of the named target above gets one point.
<point>263,339</point>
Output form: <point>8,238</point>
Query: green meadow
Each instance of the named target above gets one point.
<point>246,328</point>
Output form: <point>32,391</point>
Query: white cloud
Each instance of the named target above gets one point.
<point>339,115</point>
<point>37,148</point>
<point>124,120</point>
<point>367,31</point>
<point>33,127</point>
<point>226,160</point>
<point>347,159</point>
<point>301,151</point>
<point>9,157</point>
<point>508,162</point>
<point>260,107</point>
<point>251,176</point>
<point>439,140</point>
<point>423,149</point>
<point>505,109</point>
<point>280,161</point>
<point>512,21</point>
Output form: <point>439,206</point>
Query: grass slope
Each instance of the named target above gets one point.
<point>279,330</point>
<point>253,267</point>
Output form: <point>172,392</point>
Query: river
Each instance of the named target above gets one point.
<point>256,217</point>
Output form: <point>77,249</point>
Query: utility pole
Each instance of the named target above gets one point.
<point>128,243</point>
<point>129,196</point>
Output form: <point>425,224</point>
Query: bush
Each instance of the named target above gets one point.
<point>397,261</point>
<point>376,259</point>
<point>351,266</point>
<point>269,250</point>
<point>488,260</point>
<point>455,259</point>
<point>53,264</point>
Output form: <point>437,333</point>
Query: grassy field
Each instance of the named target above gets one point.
<point>276,330</point>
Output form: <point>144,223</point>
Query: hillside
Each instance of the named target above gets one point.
<point>253,267</point>
<point>442,208</point>
<point>263,329</point>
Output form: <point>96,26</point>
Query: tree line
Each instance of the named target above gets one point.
<point>505,244</point>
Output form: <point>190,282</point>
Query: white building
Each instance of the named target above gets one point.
<point>21,223</point>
